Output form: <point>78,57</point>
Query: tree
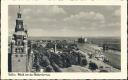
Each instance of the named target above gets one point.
<point>49,68</point>
<point>93,66</point>
<point>84,62</point>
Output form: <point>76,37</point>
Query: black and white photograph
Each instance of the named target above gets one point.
<point>64,38</point>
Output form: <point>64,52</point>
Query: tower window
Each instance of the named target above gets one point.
<point>19,49</point>
<point>16,55</point>
<point>21,55</point>
<point>19,60</point>
<point>16,50</point>
<point>18,42</point>
<point>22,50</point>
<point>19,15</point>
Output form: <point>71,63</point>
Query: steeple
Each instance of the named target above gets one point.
<point>19,13</point>
<point>19,21</point>
<point>19,8</point>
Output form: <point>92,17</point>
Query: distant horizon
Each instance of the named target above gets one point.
<point>73,36</point>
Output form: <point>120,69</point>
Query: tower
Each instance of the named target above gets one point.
<point>19,47</point>
<point>55,48</point>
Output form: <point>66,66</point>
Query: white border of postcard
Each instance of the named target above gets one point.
<point>65,75</point>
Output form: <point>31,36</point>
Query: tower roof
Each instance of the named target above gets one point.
<point>19,12</point>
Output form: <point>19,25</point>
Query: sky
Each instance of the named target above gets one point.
<point>68,20</point>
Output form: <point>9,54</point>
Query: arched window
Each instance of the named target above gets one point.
<point>22,50</point>
<point>21,55</point>
<point>23,43</point>
<point>18,42</point>
<point>19,60</point>
<point>16,55</point>
<point>19,49</point>
<point>16,50</point>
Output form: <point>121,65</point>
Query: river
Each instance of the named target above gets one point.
<point>113,56</point>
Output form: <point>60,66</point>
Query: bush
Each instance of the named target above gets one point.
<point>93,66</point>
<point>84,62</point>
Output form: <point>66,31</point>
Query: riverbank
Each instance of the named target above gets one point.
<point>113,66</point>
<point>114,58</point>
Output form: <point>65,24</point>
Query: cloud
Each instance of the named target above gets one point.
<point>62,32</point>
<point>42,15</point>
<point>48,20</point>
<point>85,16</point>
<point>26,11</point>
<point>85,21</point>
<point>57,9</point>
<point>52,20</point>
<point>43,10</point>
<point>117,12</point>
<point>37,32</point>
<point>114,24</point>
